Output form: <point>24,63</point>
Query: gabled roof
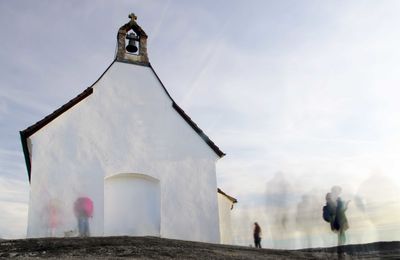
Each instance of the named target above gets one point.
<point>25,134</point>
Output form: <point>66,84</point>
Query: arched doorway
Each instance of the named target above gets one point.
<point>131,205</point>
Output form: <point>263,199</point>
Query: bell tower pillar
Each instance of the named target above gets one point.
<point>130,52</point>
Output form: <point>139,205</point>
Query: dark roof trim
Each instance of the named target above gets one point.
<point>25,134</point>
<point>188,120</point>
<point>198,130</point>
<point>37,126</point>
<point>25,149</point>
<point>87,92</point>
<point>159,80</point>
<point>226,195</point>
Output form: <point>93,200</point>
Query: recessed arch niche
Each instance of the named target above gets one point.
<point>132,205</point>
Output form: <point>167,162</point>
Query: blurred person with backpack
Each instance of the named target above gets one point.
<point>334,213</point>
<point>329,210</point>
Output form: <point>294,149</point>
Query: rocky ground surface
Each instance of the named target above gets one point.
<point>158,248</point>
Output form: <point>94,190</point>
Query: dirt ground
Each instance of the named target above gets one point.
<point>158,248</point>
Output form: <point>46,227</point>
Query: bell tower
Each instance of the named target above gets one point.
<point>132,43</point>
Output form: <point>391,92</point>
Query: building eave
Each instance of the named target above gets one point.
<point>25,134</point>
<point>188,120</point>
<point>25,149</point>
<point>232,199</point>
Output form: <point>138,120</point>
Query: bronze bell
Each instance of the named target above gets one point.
<point>131,47</point>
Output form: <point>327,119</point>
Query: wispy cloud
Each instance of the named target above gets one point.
<point>14,206</point>
<point>309,88</point>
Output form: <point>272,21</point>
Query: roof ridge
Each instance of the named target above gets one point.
<point>26,133</point>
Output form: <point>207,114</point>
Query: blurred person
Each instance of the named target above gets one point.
<point>306,218</point>
<point>257,235</point>
<point>83,208</point>
<point>329,210</point>
<point>54,215</point>
<point>338,220</point>
<point>341,224</point>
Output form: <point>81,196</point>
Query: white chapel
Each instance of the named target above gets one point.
<point>128,148</point>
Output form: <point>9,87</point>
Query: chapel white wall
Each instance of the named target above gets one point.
<point>127,125</point>
<point>225,225</point>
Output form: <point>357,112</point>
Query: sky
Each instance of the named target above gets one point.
<point>300,95</point>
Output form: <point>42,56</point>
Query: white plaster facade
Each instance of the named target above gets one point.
<point>125,144</point>
<point>128,125</point>
<point>225,205</point>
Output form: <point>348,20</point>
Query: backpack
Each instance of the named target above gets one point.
<point>326,213</point>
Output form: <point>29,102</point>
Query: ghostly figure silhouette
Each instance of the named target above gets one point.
<point>378,198</point>
<point>278,208</point>
<point>337,209</point>
<point>307,216</point>
<point>83,209</point>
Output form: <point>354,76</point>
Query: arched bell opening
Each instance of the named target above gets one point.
<point>132,42</point>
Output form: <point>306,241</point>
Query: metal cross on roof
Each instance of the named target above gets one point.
<point>132,16</point>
